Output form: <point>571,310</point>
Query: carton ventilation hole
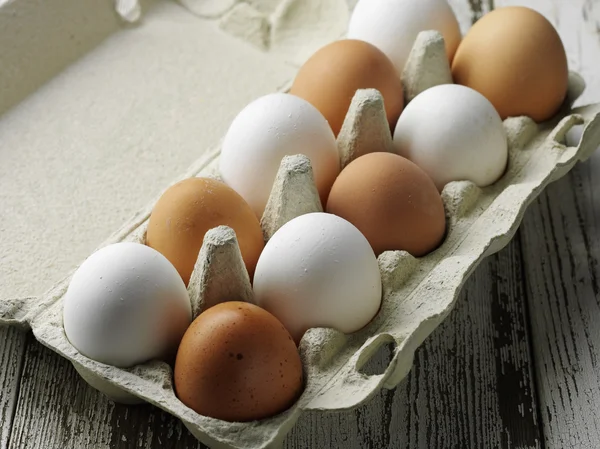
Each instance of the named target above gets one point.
<point>379,360</point>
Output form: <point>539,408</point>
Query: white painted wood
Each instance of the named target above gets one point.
<point>12,348</point>
<point>561,251</point>
<point>58,410</point>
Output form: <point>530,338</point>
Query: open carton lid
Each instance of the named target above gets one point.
<point>98,114</point>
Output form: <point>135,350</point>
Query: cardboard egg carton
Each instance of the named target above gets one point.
<point>418,293</point>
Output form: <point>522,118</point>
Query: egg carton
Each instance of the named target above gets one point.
<point>418,293</point>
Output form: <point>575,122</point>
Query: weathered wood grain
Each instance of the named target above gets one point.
<point>58,410</point>
<point>12,349</point>
<point>477,373</point>
<point>561,251</point>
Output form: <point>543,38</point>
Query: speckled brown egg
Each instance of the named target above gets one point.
<point>190,208</point>
<point>514,57</point>
<point>237,362</point>
<point>392,202</point>
<point>331,77</point>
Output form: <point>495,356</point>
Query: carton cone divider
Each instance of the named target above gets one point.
<point>294,193</point>
<point>365,129</point>
<point>219,274</point>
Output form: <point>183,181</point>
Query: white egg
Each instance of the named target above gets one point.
<point>318,270</point>
<point>126,304</point>
<point>393,25</point>
<point>454,134</point>
<point>265,131</point>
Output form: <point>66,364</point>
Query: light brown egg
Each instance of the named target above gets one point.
<point>331,77</point>
<point>515,58</point>
<point>190,208</point>
<point>237,362</point>
<point>392,202</point>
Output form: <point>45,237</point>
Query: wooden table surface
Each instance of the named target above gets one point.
<point>516,365</point>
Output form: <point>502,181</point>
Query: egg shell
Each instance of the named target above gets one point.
<point>126,304</point>
<point>237,362</point>
<point>188,209</point>
<point>453,133</point>
<point>318,270</point>
<point>331,77</point>
<point>515,58</point>
<point>266,130</point>
<point>393,25</point>
<point>392,202</point>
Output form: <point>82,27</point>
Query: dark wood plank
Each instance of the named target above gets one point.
<point>12,349</point>
<point>58,410</point>
<point>561,251</point>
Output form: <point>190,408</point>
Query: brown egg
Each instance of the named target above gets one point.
<point>331,77</point>
<point>515,58</point>
<point>190,208</point>
<point>237,362</point>
<point>392,202</point>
